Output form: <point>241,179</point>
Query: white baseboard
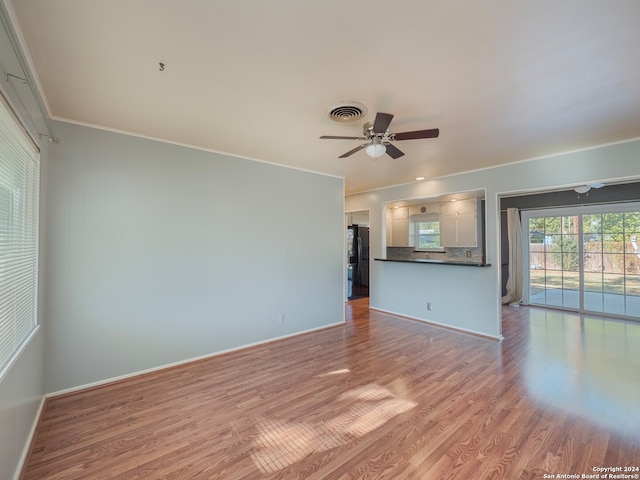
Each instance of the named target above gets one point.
<point>442,325</point>
<point>182,362</point>
<point>27,446</point>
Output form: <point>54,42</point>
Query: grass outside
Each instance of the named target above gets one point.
<point>593,282</point>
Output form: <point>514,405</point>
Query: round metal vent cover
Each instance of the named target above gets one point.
<point>346,111</point>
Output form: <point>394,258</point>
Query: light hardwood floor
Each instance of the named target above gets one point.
<point>379,398</point>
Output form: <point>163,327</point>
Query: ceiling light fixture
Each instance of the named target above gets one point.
<point>587,187</point>
<point>376,149</point>
<point>419,178</point>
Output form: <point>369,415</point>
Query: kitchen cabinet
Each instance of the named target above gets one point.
<point>400,227</point>
<point>459,223</point>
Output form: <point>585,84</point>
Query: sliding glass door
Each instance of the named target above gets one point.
<point>610,262</point>
<point>554,274</point>
<point>584,258</point>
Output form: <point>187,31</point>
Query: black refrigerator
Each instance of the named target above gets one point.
<point>358,268</point>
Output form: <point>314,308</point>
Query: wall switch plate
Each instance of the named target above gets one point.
<point>281,318</point>
<point>428,305</point>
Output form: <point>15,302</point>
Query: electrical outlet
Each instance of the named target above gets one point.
<point>428,305</point>
<point>468,253</point>
<point>281,318</point>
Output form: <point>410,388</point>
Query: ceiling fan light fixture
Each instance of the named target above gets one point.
<point>376,149</point>
<point>588,186</point>
<point>380,139</point>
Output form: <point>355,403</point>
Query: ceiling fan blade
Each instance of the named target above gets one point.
<point>382,122</point>
<point>351,152</point>
<point>432,133</point>
<point>335,137</point>
<point>393,151</point>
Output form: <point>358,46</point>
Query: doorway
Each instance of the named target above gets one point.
<point>585,259</point>
<point>357,254</point>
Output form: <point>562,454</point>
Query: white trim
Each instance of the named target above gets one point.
<point>345,259</point>
<point>194,147</point>
<point>345,256</point>
<point>6,101</point>
<point>27,446</point>
<point>185,361</point>
<point>445,326</point>
<point>26,54</point>
<point>500,165</point>
<point>14,358</point>
<point>497,246</point>
<point>526,254</point>
<point>22,55</point>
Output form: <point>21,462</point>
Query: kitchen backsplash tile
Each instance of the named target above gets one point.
<point>450,253</point>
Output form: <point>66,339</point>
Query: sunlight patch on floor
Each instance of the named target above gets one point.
<point>587,365</point>
<point>335,372</point>
<point>279,444</point>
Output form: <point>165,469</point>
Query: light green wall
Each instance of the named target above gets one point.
<point>159,253</point>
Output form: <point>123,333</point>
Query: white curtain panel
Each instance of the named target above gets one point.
<point>515,280</point>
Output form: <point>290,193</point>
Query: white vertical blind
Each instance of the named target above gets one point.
<point>19,189</point>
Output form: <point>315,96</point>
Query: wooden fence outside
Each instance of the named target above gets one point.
<point>614,260</point>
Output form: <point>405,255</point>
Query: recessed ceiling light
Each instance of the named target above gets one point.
<point>419,178</point>
<point>454,199</point>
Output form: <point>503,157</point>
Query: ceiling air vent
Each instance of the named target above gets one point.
<point>346,111</point>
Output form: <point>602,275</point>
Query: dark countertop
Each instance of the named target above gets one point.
<point>428,260</point>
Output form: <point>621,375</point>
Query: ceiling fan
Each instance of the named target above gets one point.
<point>588,186</point>
<point>379,138</point>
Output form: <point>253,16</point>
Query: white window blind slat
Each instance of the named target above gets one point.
<point>19,190</point>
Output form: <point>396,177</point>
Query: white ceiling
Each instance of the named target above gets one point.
<point>503,80</point>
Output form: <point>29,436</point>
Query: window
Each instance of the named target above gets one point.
<point>19,185</point>
<point>425,230</point>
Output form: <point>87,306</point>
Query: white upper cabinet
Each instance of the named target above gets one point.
<point>400,227</point>
<point>459,223</point>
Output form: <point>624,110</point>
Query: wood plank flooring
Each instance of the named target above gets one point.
<point>379,398</point>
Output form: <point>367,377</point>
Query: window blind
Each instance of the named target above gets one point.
<point>19,198</point>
